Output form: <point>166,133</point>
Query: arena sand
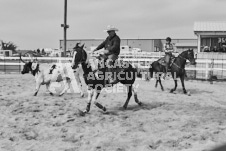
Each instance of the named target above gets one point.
<point>165,121</point>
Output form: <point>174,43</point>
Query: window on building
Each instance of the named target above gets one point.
<point>156,49</point>
<point>213,44</point>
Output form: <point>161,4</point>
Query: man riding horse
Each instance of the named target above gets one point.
<point>168,49</point>
<point>112,50</point>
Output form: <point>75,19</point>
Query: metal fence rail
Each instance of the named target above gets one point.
<point>204,69</point>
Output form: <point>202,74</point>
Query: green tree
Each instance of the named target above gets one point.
<point>9,46</point>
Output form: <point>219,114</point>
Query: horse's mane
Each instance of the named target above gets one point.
<point>90,61</point>
<point>88,57</point>
<point>183,52</point>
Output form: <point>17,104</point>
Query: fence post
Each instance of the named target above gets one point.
<point>195,73</point>
<point>4,65</point>
<point>19,66</point>
<point>207,69</point>
<point>211,71</point>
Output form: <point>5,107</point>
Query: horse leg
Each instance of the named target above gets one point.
<point>67,86</point>
<point>171,91</point>
<point>161,84</point>
<point>95,96</point>
<point>79,84</point>
<point>90,95</point>
<point>47,88</point>
<point>37,88</point>
<point>182,83</point>
<point>135,96</point>
<point>129,89</point>
<point>156,84</point>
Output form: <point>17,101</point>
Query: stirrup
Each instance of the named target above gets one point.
<point>112,81</point>
<point>96,75</point>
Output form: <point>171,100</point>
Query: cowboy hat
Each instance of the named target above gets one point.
<point>110,28</point>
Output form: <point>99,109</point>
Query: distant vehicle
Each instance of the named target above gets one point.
<point>124,49</point>
<point>136,50</point>
<point>56,53</point>
<point>129,49</point>
<point>16,55</point>
<point>32,54</point>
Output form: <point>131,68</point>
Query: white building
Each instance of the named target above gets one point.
<point>211,35</point>
<point>6,53</point>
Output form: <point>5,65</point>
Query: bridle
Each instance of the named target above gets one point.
<point>83,55</point>
<point>187,55</point>
<point>182,58</point>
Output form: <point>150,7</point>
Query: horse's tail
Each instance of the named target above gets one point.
<point>137,70</point>
<point>151,70</point>
<point>139,73</point>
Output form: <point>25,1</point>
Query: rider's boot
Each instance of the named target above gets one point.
<point>166,70</point>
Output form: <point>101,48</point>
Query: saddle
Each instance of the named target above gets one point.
<point>119,66</point>
<point>162,61</point>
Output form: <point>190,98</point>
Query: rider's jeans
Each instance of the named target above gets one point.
<point>167,58</point>
<point>110,63</point>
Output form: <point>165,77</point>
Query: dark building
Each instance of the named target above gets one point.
<point>148,45</point>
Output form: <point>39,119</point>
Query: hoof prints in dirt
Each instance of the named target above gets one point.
<point>163,122</point>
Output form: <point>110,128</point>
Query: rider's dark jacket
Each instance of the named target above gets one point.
<point>112,44</point>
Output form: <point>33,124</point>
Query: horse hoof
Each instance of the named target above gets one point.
<point>171,91</point>
<point>104,109</point>
<point>162,89</point>
<point>61,94</point>
<point>85,112</point>
<point>81,113</point>
<point>51,94</point>
<point>124,107</point>
<point>140,104</point>
<point>189,94</point>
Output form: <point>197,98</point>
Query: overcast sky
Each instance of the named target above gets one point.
<point>33,24</point>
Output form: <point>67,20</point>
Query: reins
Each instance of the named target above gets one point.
<point>181,58</point>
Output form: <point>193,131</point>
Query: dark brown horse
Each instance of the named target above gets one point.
<point>177,68</point>
<point>96,80</point>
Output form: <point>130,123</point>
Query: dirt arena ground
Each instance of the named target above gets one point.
<point>165,122</point>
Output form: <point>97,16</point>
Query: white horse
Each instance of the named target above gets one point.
<point>78,72</point>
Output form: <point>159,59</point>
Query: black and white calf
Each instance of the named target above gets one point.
<point>45,76</point>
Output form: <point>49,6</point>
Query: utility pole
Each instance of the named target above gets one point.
<point>65,26</point>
